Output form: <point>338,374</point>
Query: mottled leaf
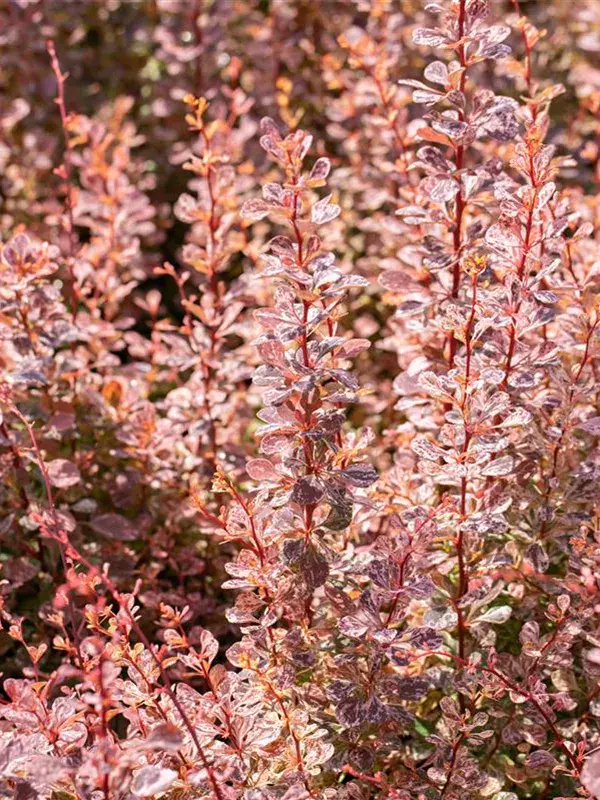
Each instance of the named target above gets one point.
<point>308,491</point>
<point>359,474</point>
<point>255,209</point>
<point>320,170</point>
<point>591,425</point>
<point>437,72</point>
<point>441,618</point>
<point>152,781</point>
<point>63,473</point>
<point>495,616</point>
<point>324,211</point>
<point>498,468</point>
<point>429,37</point>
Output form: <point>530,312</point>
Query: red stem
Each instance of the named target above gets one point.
<point>460,203</point>
<point>61,536</point>
<point>64,119</point>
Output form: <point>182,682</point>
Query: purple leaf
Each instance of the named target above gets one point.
<point>353,627</point>
<point>359,474</point>
<point>429,37</point>
<point>339,517</point>
<point>320,170</point>
<point>453,128</point>
<point>114,526</point>
<point>269,128</point>
<point>63,473</point>
<point>394,280</point>
<point>308,491</point>
<point>255,209</point>
<point>591,425</point>
<point>352,347</point>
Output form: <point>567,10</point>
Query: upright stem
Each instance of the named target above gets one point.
<point>453,758</point>
<point>66,171</point>
<point>460,203</point>
<point>306,306</point>
<point>559,442</point>
<point>463,569</point>
<point>521,267</point>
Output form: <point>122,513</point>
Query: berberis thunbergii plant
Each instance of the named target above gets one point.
<point>300,394</point>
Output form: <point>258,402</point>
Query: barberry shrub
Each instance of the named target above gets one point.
<point>299,346</point>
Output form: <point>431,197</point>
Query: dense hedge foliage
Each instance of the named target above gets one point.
<point>300,394</point>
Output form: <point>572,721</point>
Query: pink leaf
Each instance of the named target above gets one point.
<point>261,469</point>
<point>324,211</point>
<point>255,209</point>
